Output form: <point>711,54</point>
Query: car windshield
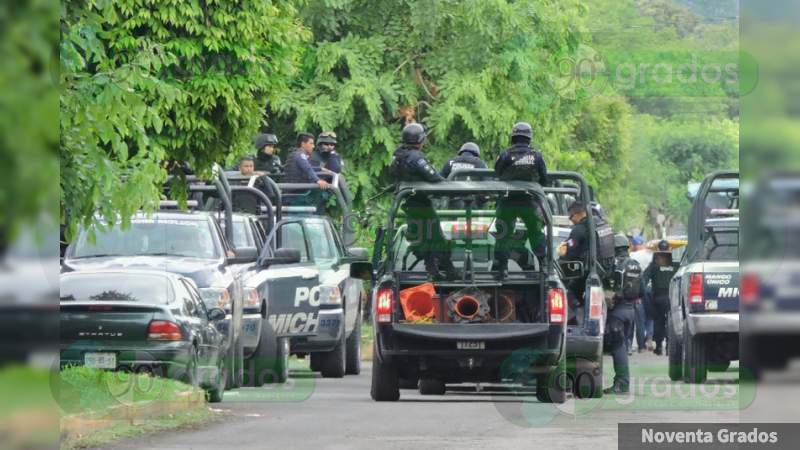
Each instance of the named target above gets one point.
<point>191,238</point>
<point>142,288</point>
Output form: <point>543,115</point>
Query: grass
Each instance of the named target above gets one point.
<point>81,390</point>
<point>184,421</point>
<point>366,334</point>
<point>28,413</point>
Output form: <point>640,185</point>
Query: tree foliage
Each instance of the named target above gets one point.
<point>147,83</point>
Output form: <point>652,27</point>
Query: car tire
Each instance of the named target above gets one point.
<point>216,393</point>
<point>332,364</point>
<point>353,349</point>
<point>588,378</point>
<point>189,375</point>
<point>750,369</point>
<point>431,386</point>
<point>385,382</point>
<point>269,361</point>
<point>675,353</point>
<point>695,368</point>
<point>552,387</point>
<point>719,366</point>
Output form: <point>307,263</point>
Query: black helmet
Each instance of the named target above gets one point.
<point>265,139</point>
<point>663,246</point>
<point>413,133</point>
<point>328,137</point>
<point>523,130</point>
<point>470,147</point>
<point>621,241</point>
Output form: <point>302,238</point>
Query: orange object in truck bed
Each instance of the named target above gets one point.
<point>420,303</point>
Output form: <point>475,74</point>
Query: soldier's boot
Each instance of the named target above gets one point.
<point>446,264</point>
<point>500,265</point>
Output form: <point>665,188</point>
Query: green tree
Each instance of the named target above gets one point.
<point>149,83</point>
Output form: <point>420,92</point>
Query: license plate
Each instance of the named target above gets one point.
<point>711,304</point>
<point>470,345</point>
<point>100,360</point>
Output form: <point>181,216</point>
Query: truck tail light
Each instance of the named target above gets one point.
<point>164,330</point>
<point>384,305</point>
<point>557,301</point>
<point>749,289</point>
<point>596,295</point>
<point>696,288</point>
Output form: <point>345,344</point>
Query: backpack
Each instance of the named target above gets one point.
<point>630,276</point>
<point>605,244</point>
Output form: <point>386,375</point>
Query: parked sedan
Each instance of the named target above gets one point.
<point>142,321</point>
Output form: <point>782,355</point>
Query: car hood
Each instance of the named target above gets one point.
<point>204,272</point>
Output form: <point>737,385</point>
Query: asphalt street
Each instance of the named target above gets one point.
<point>316,413</point>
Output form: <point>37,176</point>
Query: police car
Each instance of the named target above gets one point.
<point>703,321</point>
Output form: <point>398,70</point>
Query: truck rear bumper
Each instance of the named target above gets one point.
<point>771,323</point>
<point>542,343</point>
<point>713,323</point>
<point>587,347</point>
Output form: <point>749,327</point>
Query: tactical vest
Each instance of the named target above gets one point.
<point>293,172</point>
<point>605,244</point>
<point>661,279</point>
<point>522,165</point>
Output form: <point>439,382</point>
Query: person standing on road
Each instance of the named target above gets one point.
<point>658,274</point>
<point>644,323</point>
<point>266,160</point>
<point>325,156</point>
<point>468,157</point>
<point>620,322</point>
<point>519,162</point>
<point>424,230</point>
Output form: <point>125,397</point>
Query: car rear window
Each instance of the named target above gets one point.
<point>151,289</point>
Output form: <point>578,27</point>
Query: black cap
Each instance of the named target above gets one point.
<point>470,147</point>
<point>413,133</point>
<point>576,207</point>
<point>522,130</point>
<point>264,139</point>
<point>663,246</point>
<point>621,241</point>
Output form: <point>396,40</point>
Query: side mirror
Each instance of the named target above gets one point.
<point>358,253</point>
<point>361,270</point>
<point>282,256</point>
<point>571,270</point>
<point>244,255</point>
<point>215,314</point>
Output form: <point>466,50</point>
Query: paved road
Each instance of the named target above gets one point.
<point>339,414</point>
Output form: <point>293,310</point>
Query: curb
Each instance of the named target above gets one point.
<point>77,425</point>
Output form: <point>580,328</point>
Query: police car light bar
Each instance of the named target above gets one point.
<point>164,204</point>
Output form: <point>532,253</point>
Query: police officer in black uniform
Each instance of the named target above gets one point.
<point>658,274</point>
<point>576,248</point>
<point>325,155</point>
<point>424,230</point>
<point>468,157</point>
<point>266,160</point>
<point>518,163</point>
<point>626,287</point>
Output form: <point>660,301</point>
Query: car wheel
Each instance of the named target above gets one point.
<point>675,350</point>
<point>552,387</point>
<point>749,364</point>
<point>588,380</point>
<point>269,359</point>
<point>430,386</point>
<point>695,367</point>
<point>332,364</point>
<point>385,387</point>
<point>216,393</point>
<point>189,376</point>
<point>353,349</point>
<point>313,362</point>
<point>719,366</point>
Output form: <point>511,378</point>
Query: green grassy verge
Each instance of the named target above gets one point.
<point>80,390</point>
